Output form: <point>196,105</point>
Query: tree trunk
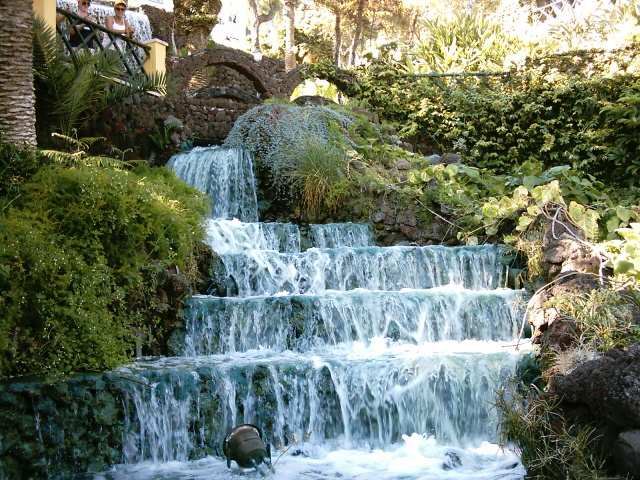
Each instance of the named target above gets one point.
<point>289,54</point>
<point>338,46</point>
<point>357,34</point>
<point>17,95</point>
<point>259,20</point>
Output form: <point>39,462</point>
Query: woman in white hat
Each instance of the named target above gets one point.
<point>117,22</point>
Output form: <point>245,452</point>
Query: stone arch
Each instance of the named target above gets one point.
<point>267,78</point>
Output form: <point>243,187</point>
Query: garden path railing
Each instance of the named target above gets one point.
<point>458,76</point>
<point>97,38</point>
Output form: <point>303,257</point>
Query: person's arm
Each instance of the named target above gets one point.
<point>61,16</point>
<point>108,22</point>
<point>128,29</point>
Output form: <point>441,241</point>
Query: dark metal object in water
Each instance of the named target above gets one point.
<point>244,445</point>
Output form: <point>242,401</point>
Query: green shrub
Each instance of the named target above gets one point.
<point>319,174</point>
<point>604,317</point>
<point>304,150</point>
<point>74,248</point>
<point>16,167</point>
<point>575,109</point>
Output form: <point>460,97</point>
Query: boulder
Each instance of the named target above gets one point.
<point>626,454</point>
<point>609,386</point>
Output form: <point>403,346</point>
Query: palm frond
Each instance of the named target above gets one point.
<point>104,162</point>
<point>117,89</point>
<point>63,158</point>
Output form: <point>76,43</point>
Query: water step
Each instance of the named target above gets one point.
<point>226,175</point>
<point>367,398</point>
<point>234,236</point>
<point>308,322</point>
<point>259,272</point>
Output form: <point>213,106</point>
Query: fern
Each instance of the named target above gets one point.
<point>76,153</point>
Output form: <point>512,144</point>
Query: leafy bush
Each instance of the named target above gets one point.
<point>485,205</point>
<point>319,173</point>
<point>304,150</point>
<point>74,248</point>
<point>16,167</point>
<point>572,109</point>
<point>624,255</point>
<point>604,317</point>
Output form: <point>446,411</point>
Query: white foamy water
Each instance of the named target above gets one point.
<point>416,458</point>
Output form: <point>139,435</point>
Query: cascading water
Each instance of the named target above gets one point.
<point>358,362</point>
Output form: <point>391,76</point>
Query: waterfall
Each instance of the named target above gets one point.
<point>356,361</point>
<point>334,235</point>
<point>226,175</point>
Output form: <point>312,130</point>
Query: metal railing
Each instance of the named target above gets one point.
<point>435,77</point>
<point>78,33</point>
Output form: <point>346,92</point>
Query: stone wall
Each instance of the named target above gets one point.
<point>55,429</point>
<point>268,78</point>
<point>214,87</point>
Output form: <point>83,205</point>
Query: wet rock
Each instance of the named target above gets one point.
<point>449,158</point>
<point>178,285</point>
<point>626,454</point>
<point>451,461</point>
<point>403,164</point>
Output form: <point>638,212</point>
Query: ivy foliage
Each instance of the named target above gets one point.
<point>624,254</point>
<point>576,109</point>
<point>487,207</point>
<point>75,247</point>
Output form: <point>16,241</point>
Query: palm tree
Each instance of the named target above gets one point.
<point>196,18</point>
<point>70,92</point>
<point>17,98</point>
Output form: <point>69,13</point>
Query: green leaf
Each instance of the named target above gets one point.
<point>426,176</point>
<point>612,224</point>
<point>624,214</point>
<point>524,222</point>
<point>531,181</point>
<point>622,267</point>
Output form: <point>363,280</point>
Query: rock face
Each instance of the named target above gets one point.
<point>78,422</point>
<point>570,266</point>
<point>609,386</point>
<point>606,393</point>
<point>603,392</point>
